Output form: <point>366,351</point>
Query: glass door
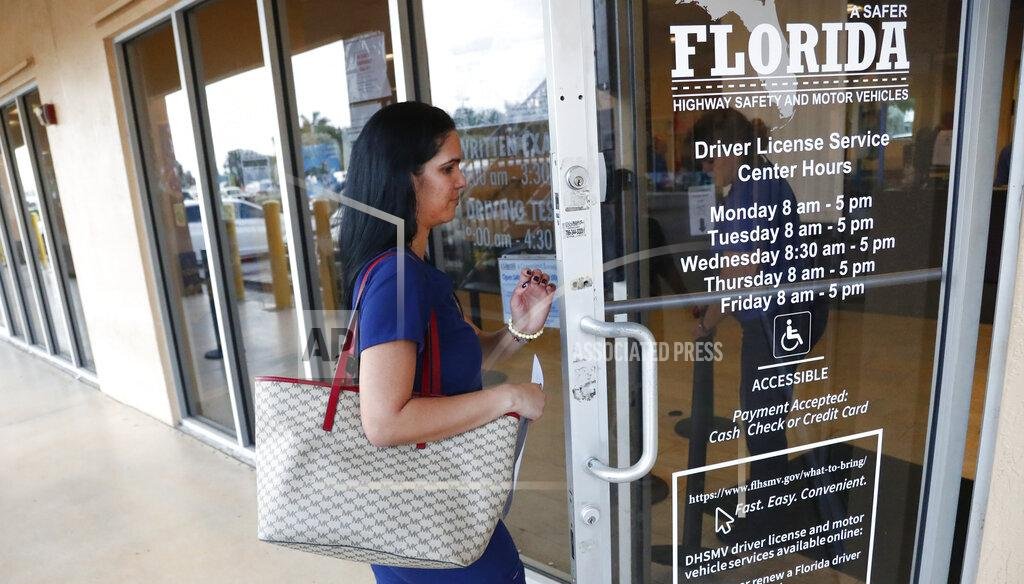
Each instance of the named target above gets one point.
<point>48,326</point>
<point>752,200</point>
<point>169,170</point>
<point>11,257</point>
<point>42,266</point>
<point>49,214</point>
<point>492,81</point>
<point>790,208</point>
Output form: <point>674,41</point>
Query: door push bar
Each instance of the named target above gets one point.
<point>648,394</point>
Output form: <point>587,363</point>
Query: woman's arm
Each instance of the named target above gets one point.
<point>391,416</point>
<point>496,345</point>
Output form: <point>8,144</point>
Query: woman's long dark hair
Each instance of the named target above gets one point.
<point>392,147</point>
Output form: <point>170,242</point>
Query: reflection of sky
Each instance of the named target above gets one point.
<point>177,119</point>
<point>242,113</point>
<point>28,185</point>
<point>320,83</point>
<point>481,55</point>
<point>241,117</point>
<point>242,106</point>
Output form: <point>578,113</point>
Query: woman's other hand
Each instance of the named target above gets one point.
<point>525,399</point>
<point>531,300</point>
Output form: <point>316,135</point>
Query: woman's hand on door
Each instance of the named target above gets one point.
<point>531,300</point>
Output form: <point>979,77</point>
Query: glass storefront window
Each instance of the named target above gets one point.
<point>492,82</point>
<point>41,263</point>
<point>343,70</point>
<point>4,308</point>
<point>59,242</point>
<point>3,298</point>
<point>171,171</point>
<point>864,212</point>
<point>8,259</point>
<point>241,115</point>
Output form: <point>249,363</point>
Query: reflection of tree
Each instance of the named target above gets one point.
<point>315,125</point>
<point>533,108</point>
<point>318,129</point>
<point>185,178</point>
<point>468,117</point>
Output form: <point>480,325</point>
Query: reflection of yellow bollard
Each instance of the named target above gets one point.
<point>40,242</point>
<point>741,472</point>
<point>236,262</point>
<point>325,251</point>
<point>278,260</point>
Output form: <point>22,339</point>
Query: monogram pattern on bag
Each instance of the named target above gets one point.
<point>335,494</point>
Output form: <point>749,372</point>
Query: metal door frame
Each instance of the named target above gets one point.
<point>572,111</point>
<point>571,94</point>
<point>1001,325</point>
<point>983,29</point>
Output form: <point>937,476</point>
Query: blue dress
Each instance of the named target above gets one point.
<point>426,287</point>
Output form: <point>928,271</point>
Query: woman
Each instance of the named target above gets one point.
<point>406,164</point>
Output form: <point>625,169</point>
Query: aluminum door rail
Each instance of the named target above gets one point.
<point>648,393</point>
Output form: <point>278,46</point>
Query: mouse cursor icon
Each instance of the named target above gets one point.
<point>723,521</point>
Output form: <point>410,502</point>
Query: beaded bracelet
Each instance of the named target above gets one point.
<point>520,336</point>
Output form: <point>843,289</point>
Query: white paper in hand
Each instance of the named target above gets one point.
<point>538,374</point>
<point>536,377</point>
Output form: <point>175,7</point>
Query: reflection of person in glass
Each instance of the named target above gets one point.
<point>406,163</point>
<point>743,196</point>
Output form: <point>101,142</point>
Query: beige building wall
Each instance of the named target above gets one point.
<point>64,47</point>
<point>61,46</point>
<point>1001,559</point>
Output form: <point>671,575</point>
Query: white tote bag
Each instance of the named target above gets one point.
<point>322,487</point>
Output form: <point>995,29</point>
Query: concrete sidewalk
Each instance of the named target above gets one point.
<point>94,491</point>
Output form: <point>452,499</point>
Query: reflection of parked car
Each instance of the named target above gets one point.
<point>257,189</point>
<point>250,227</point>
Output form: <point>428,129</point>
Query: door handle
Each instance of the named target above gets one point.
<point>648,396</point>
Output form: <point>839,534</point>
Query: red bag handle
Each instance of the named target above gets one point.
<point>430,380</point>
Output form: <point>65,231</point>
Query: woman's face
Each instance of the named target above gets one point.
<point>439,184</point>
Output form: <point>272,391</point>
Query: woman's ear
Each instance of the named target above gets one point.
<point>416,181</point>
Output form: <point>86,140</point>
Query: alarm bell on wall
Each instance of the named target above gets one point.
<point>46,114</point>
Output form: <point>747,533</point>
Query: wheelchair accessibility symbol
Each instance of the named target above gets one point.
<point>792,335</point>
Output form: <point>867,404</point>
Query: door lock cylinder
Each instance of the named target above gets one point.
<point>577,177</point>
<point>590,514</point>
